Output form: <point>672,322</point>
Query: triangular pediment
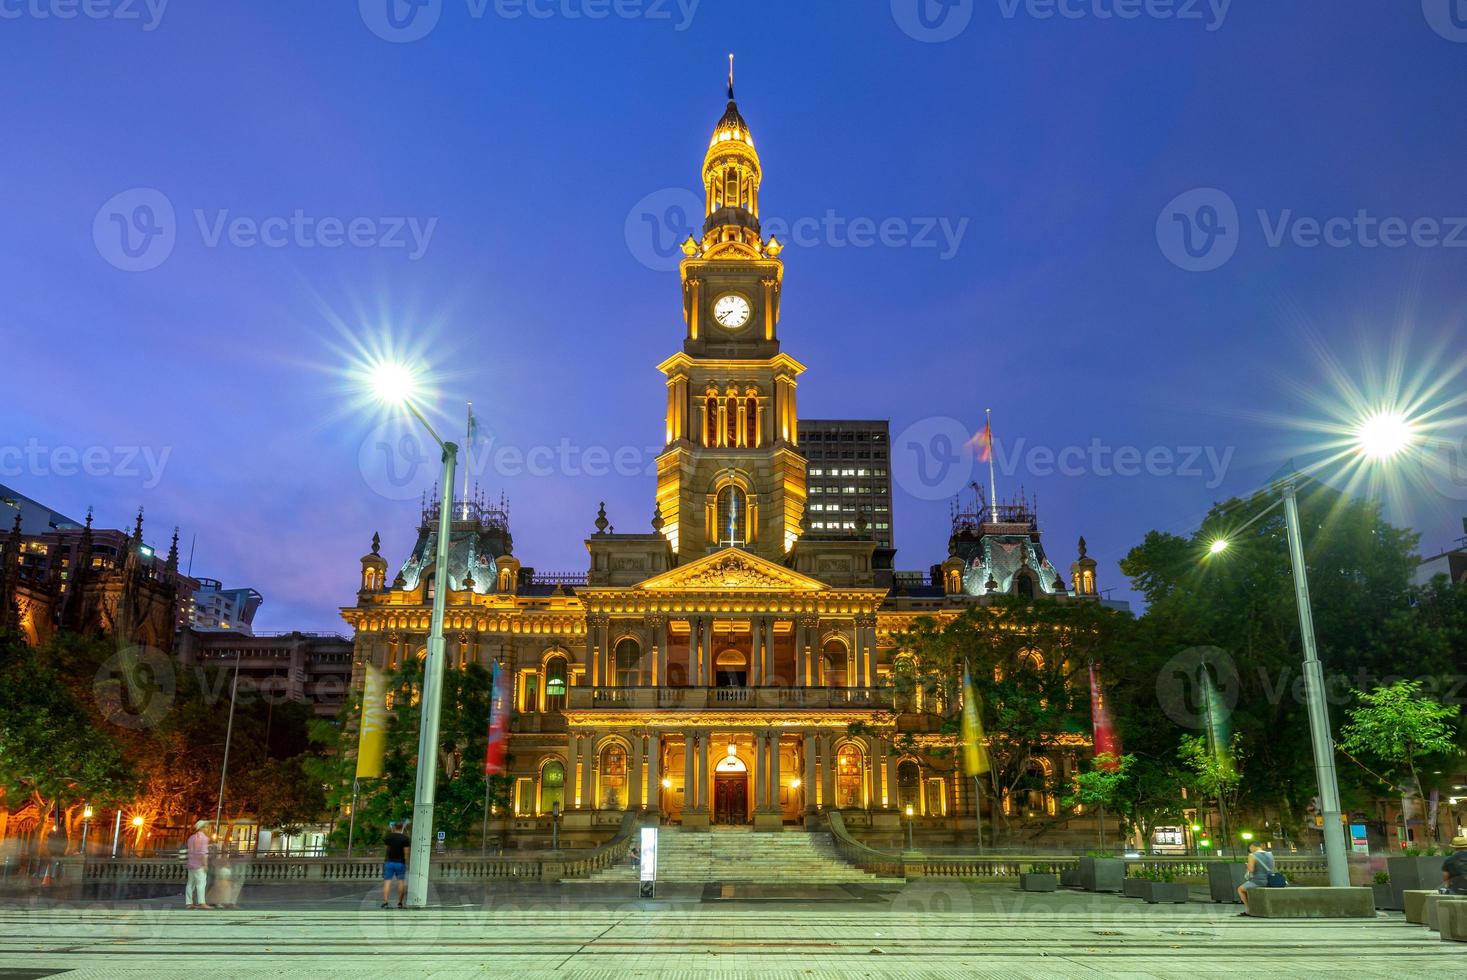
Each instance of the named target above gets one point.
<point>732,569</point>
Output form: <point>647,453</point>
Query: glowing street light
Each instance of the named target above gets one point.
<point>1218,546</point>
<point>1384,435</point>
<point>395,385</point>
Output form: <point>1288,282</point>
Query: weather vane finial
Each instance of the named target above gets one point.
<point>730,77</point>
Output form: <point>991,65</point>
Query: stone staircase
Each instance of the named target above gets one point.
<point>737,854</point>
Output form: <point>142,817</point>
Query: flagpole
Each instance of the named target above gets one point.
<point>468,458</point>
<point>992,482</point>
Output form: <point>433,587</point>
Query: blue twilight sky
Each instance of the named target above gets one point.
<point>986,207</point>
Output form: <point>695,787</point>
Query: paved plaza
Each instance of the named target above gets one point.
<point>923,929</point>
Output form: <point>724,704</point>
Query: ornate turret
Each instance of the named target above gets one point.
<point>374,567</point>
<point>1082,572</point>
<point>731,177</point>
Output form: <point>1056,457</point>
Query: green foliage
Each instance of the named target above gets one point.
<point>1398,726</point>
<point>1382,878</point>
<point>463,729</point>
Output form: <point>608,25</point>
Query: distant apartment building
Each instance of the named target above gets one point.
<point>849,476</point>
<point>213,607</point>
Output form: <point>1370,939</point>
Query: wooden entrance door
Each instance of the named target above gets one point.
<point>731,798</point>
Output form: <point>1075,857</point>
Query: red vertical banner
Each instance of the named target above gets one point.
<point>494,751</point>
<point>1107,742</point>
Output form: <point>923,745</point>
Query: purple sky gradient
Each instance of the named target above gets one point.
<point>531,141</point>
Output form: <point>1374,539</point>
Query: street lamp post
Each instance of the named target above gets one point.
<point>909,829</point>
<point>1319,729</point>
<point>395,385</point>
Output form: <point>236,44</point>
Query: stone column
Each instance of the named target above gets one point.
<point>808,742</point>
<point>592,632</point>
<point>634,776</point>
<point>658,624</point>
<point>705,775</point>
<point>827,778</point>
<point>756,652</point>
<point>891,782</point>
<point>654,772</point>
<point>690,780</point>
<point>774,803</point>
<point>588,778</point>
<point>878,768</point>
<point>760,741</point>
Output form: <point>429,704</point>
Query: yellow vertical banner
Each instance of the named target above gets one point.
<point>372,737</point>
<point>975,749</point>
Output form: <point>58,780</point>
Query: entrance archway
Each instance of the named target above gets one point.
<point>731,791</point>
<point>731,669</point>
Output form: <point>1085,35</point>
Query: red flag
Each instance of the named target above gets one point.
<point>498,723</point>
<point>983,442</point>
<point>1107,742</point>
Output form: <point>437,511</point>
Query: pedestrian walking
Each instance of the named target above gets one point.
<point>1260,868</point>
<point>394,867</point>
<point>195,891</point>
<point>1454,868</point>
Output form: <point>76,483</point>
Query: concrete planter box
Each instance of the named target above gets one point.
<point>1070,877</point>
<point>1032,881</point>
<point>1413,903</point>
<point>1134,887</point>
<point>1102,874</point>
<point>1384,898</point>
<point>1452,917</point>
<point>1223,879</point>
<point>1171,892</point>
<point>1297,902</point>
<point>1413,874</point>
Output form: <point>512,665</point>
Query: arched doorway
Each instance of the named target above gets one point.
<point>730,791</point>
<point>552,787</point>
<point>731,669</point>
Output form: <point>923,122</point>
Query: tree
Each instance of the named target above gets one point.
<point>1029,663</point>
<point>463,731</point>
<point>1398,726</point>
<point>1216,772</point>
<point>1099,786</point>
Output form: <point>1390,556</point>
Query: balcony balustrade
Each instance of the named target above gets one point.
<point>693,698</point>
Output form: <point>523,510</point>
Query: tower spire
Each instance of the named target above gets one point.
<point>730,77</point>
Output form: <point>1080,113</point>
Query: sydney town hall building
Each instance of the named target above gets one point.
<point>714,669</point>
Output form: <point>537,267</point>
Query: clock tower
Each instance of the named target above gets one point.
<point>732,473</point>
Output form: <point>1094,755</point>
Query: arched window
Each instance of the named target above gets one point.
<point>1033,787</point>
<point>555,684</point>
<point>710,421</point>
<point>909,786</point>
<point>1024,585</point>
<point>731,188</point>
<point>613,778</point>
<point>751,421</point>
<point>552,787</point>
<point>733,516</point>
<point>731,420</point>
<point>833,663</point>
<point>850,777</point>
<point>628,663</point>
<point>731,669</point>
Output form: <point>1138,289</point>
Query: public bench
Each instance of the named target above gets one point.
<point>1297,902</point>
<point>1452,916</point>
<point>1413,902</point>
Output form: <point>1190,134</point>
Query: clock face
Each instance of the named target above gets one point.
<point>731,311</point>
